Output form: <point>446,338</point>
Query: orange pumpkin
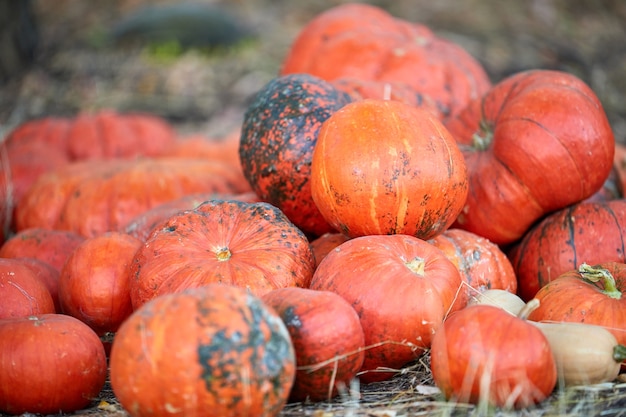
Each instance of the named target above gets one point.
<point>49,364</point>
<point>322,245</point>
<point>365,42</point>
<point>42,145</point>
<point>383,167</point>
<point>587,294</point>
<point>484,354</point>
<point>210,351</point>
<point>90,198</point>
<point>142,225</point>
<point>49,246</point>
<point>22,292</point>
<point>484,265</point>
<point>402,288</point>
<point>250,245</point>
<point>591,232</point>
<point>94,284</point>
<point>327,337</point>
<point>537,142</point>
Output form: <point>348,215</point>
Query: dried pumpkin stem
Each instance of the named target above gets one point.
<point>223,254</point>
<point>416,265</point>
<point>596,274</point>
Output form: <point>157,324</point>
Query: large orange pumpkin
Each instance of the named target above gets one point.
<point>22,292</point>
<point>365,42</point>
<point>90,198</point>
<point>402,288</point>
<point>383,167</point>
<point>250,245</point>
<point>278,135</point>
<point>210,351</point>
<point>537,142</point>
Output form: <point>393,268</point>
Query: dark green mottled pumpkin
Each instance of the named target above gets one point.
<point>210,351</point>
<point>279,133</point>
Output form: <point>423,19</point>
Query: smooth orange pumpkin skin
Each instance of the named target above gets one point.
<point>21,291</point>
<point>250,245</point>
<point>519,139</point>
<point>402,288</point>
<point>384,167</point>
<point>90,198</point>
<point>49,364</point>
<point>570,298</point>
<point>94,284</point>
<point>591,232</point>
<point>483,263</point>
<point>324,328</point>
<point>365,42</point>
<point>47,274</point>
<point>210,351</point>
<point>483,353</point>
<point>50,246</point>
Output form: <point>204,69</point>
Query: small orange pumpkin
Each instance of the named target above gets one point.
<point>328,340</point>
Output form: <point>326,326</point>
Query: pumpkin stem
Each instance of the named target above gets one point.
<point>619,353</point>
<point>528,308</point>
<point>596,274</point>
<point>483,138</point>
<point>223,254</point>
<point>416,265</point>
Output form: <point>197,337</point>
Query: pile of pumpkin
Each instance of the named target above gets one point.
<point>382,200</point>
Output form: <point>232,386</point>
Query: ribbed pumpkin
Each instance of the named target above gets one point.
<point>592,294</point>
<point>328,340</point>
<point>384,167</point>
<point>42,145</point>
<point>210,351</point>
<point>250,245</point>
<point>590,232</point>
<point>483,263</point>
<point>90,198</point>
<point>365,42</point>
<point>279,133</point>
<point>537,142</point>
<point>402,288</point>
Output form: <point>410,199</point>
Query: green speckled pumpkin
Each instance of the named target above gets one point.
<point>279,133</point>
<point>210,351</point>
